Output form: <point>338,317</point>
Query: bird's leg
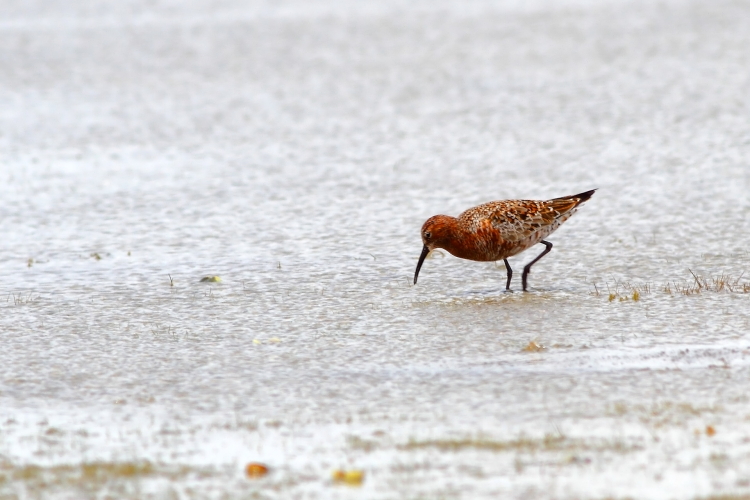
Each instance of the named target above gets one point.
<point>527,268</point>
<point>510,273</point>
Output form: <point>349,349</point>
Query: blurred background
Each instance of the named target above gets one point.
<point>293,150</point>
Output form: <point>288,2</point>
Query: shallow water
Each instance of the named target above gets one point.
<point>294,151</point>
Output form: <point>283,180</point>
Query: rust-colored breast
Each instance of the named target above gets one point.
<point>481,242</point>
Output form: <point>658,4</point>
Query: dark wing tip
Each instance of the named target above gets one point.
<point>584,196</point>
<point>580,197</point>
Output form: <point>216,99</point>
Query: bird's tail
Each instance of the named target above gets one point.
<point>577,198</point>
<point>567,204</point>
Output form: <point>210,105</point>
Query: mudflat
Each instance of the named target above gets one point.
<point>293,151</point>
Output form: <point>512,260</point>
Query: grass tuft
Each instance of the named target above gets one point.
<point>623,291</point>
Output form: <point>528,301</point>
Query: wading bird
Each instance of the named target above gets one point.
<point>498,230</point>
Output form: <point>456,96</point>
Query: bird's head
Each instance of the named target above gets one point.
<point>436,233</point>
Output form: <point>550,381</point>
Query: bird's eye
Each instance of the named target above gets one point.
<point>427,235</point>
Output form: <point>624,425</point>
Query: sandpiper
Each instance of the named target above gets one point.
<point>498,230</point>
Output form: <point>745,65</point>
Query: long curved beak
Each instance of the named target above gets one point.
<point>425,251</point>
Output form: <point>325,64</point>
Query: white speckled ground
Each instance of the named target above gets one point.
<point>294,149</point>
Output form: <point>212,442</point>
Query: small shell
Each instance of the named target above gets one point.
<point>350,477</point>
<point>256,470</point>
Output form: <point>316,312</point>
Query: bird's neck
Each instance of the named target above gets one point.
<point>456,238</point>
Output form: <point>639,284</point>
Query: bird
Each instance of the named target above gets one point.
<point>499,229</point>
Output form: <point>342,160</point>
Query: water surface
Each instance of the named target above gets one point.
<point>295,150</point>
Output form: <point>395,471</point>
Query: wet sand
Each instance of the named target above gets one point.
<point>294,150</point>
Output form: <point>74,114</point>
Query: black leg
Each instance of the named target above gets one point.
<point>510,273</point>
<point>527,268</point>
